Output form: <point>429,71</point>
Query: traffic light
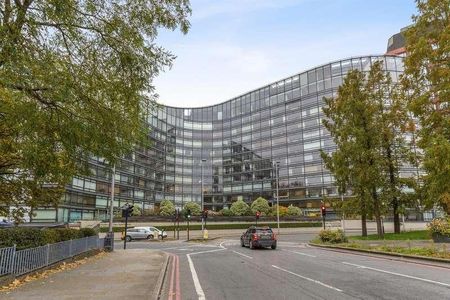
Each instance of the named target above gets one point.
<point>188,214</point>
<point>323,210</point>
<point>127,211</point>
<point>258,214</point>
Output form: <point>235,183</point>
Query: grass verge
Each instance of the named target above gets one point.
<point>407,235</point>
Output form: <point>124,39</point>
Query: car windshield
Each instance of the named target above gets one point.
<point>263,230</point>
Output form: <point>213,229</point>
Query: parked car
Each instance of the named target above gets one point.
<point>259,237</point>
<point>6,224</point>
<point>137,234</point>
<point>154,231</point>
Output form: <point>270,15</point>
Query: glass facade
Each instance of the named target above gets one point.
<point>240,140</point>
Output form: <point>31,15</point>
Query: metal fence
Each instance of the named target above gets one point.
<point>24,261</point>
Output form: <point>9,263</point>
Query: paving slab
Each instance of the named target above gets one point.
<point>122,274</point>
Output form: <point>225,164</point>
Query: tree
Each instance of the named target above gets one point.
<point>166,208</point>
<point>369,157</point>
<point>293,211</point>
<point>426,85</point>
<point>75,82</point>
<point>195,208</point>
<point>260,204</point>
<point>239,208</point>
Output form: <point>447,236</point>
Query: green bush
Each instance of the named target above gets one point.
<point>25,238</point>
<point>195,208</point>
<point>239,208</point>
<point>293,211</point>
<point>65,234</point>
<point>226,212</point>
<point>166,208</point>
<point>86,232</point>
<point>439,227</point>
<point>332,236</point>
<point>261,205</point>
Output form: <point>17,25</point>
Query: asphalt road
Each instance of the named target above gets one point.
<point>224,270</point>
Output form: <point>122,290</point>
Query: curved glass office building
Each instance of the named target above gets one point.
<point>236,143</point>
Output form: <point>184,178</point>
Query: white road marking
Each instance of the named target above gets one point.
<point>208,251</point>
<point>307,278</point>
<point>397,274</point>
<point>301,253</point>
<point>198,287</point>
<point>243,254</point>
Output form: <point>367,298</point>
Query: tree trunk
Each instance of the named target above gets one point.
<point>377,212</point>
<point>392,182</point>
<point>363,219</point>
<point>396,215</point>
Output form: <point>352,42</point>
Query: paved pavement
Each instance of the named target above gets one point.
<point>225,270</point>
<point>131,274</point>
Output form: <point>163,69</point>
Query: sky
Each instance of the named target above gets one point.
<point>235,46</point>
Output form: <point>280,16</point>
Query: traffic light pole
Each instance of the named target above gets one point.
<point>188,229</point>
<point>323,221</point>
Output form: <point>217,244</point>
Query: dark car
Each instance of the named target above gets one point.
<point>259,237</point>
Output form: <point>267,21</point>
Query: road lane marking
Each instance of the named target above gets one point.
<point>397,274</point>
<point>309,279</point>
<point>198,287</point>
<point>208,251</point>
<point>243,254</point>
<point>172,278</point>
<point>177,280</point>
<point>301,253</point>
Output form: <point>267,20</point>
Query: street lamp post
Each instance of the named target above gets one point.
<point>343,213</point>
<point>278,202</point>
<point>111,210</point>
<point>203,220</point>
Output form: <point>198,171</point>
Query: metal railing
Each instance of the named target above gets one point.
<point>24,261</point>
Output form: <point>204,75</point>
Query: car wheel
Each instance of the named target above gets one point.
<point>273,247</point>
<point>150,237</point>
<point>242,243</point>
<point>128,238</point>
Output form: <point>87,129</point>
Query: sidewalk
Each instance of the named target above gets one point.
<point>130,274</point>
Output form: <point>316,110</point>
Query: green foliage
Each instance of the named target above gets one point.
<point>293,211</point>
<point>25,238</point>
<point>260,204</point>
<point>195,208</point>
<point>426,86</point>
<point>239,208</point>
<point>137,211</point>
<point>85,232</point>
<point>439,227</point>
<point>226,212</point>
<point>282,211</point>
<point>366,132</point>
<point>75,82</point>
<point>332,236</point>
<point>166,208</point>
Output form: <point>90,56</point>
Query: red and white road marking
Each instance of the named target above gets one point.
<point>174,286</point>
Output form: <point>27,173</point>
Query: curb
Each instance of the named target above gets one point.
<point>160,281</point>
<point>395,256</point>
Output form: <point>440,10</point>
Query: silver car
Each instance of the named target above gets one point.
<point>138,234</point>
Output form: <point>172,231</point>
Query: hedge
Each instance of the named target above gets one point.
<point>225,226</point>
<point>25,238</point>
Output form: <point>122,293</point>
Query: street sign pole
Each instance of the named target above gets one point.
<point>188,230</point>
